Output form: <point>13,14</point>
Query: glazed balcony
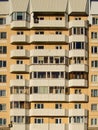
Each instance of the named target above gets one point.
<point>23,39</point>
<point>19,53</point>
<point>17,68</point>
<point>49,38</point>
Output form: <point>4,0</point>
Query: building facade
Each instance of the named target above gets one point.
<point>48,65</point>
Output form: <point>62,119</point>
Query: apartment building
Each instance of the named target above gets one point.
<point>48,65</point>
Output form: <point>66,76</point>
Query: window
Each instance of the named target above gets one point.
<point>38,121</point>
<point>2,35</point>
<point>39,32</point>
<point>93,107</point>
<point>2,93</point>
<point>77,18</point>
<point>39,106</point>
<point>19,76</point>
<point>94,78</point>
<point>35,89</point>
<point>2,63</point>
<point>3,49</point>
<point>19,33</point>
<point>77,91</point>
<point>2,78</point>
<point>58,106</point>
<point>19,47</point>
<point>19,62</point>
<point>77,106</point>
<point>94,49</point>
<point>56,90</point>
<point>58,18</point>
<point>39,47</point>
<point>94,35</point>
<point>2,107</point>
<point>20,16</point>
<point>78,45</point>
<point>95,21</point>
<point>19,119</point>
<point>2,21</point>
<point>39,89</point>
<point>40,18</point>
<point>94,63</point>
<point>94,93</point>
<point>58,32</point>
<point>77,119</point>
<point>58,121</point>
<point>94,121</point>
<point>78,31</point>
<point>2,121</point>
<point>58,47</point>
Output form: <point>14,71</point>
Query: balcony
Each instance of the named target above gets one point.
<point>23,39</point>
<point>77,83</point>
<point>49,24</point>
<point>20,126</point>
<point>19,112</point>
<point>49,52</point>
<point>77,126</point>
<point>19,82</point>
<point>49,82</point>
<point>48,68</point>
<point>49,38</point>
<point>57,126</point>
<point>19,24</point>
<point>81,38</point>
<point>78,23</point>
<point>78,112</point>
<point>78,98</point>
<point>17,68</point>
<point>47,126</point>
<point>39,127</point>
<point>80,53</point>
<point>48,112</point>
<point>48,97</point>
<point>19,97</point>
<point>22,53</point>
<point>78,67</point>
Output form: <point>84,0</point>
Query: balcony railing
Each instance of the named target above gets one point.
<point>22,53</point>
<point>19,68</point>
<point>48,38</point>
<point>77,83</point>
<point>19,39</point>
